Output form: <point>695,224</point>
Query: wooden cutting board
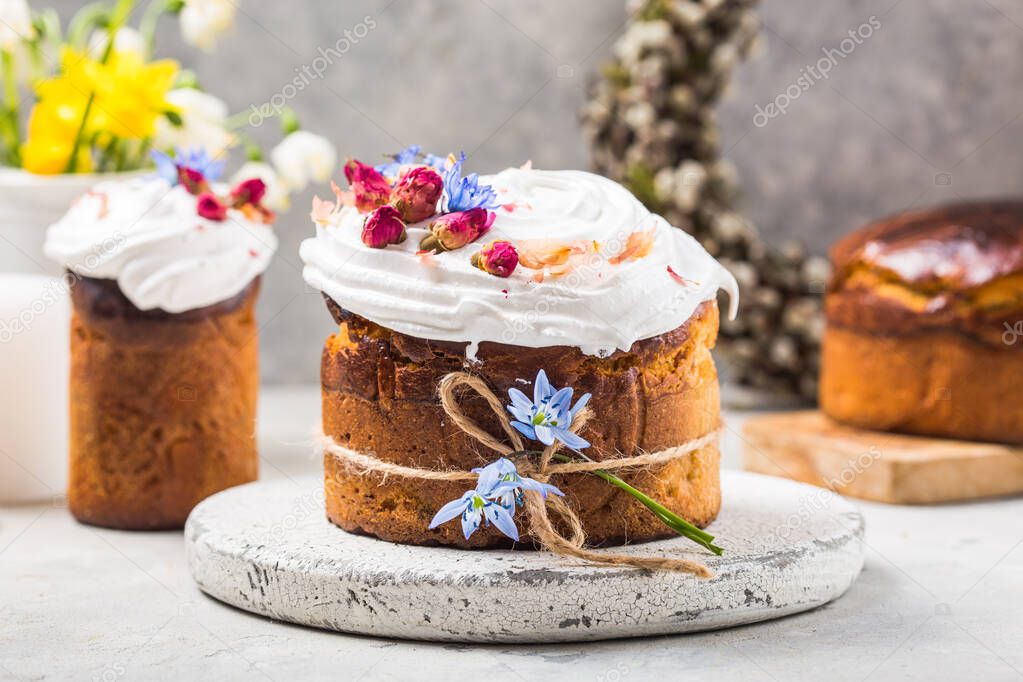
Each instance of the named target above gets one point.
<point>873,465</point>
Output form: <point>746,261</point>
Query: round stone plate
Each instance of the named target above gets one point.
<point>268,548</point>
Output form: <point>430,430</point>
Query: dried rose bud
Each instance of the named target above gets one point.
<point>417,193</point>
<point>498,258</point>
<point>382,227</point>
<point>210,207</point>
<point>249,191</point>
<point>454,230</point>
<point>193,180</point>
<point>370,187</point>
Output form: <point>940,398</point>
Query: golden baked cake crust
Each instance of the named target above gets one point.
<point>163,406</point>
<point>379,395</point>
<point>921,315</point>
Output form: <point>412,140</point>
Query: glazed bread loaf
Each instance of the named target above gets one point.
<point>923,314</point>
<point>163,406</point>
<point>380,396</point>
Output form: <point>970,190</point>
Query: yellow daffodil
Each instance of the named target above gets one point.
<point>52,127</point>
<point>91,100</point>
<point>132,94</point>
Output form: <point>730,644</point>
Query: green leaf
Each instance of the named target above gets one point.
<point>174,118</point>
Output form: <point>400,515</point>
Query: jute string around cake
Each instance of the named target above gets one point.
<point>536,506</point>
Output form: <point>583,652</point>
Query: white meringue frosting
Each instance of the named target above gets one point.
<point>148,236</point>
<point>597,306</point>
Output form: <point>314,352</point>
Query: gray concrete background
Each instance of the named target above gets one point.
<point>927,109</point>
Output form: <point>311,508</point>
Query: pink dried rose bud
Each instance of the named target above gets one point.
<point>210,207</point>
<point>417,193</point>
<point>370,187</point>
<point>498,258</point>
<point>194,181</point>
<point>249,191</point>
<point>382,227</point>
<point>454,230</point>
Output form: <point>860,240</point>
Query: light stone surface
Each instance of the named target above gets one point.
<point>268,548</point>
<point>939,599</point>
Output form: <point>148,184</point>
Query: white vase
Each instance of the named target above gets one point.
<point>34,325</point>
<point>30,203</point>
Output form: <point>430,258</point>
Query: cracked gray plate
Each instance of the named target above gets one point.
<point>268,548</point>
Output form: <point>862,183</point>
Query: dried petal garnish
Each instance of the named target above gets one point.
<point>322,211</point>
<point>680,279</point>
<point>104,203</point>
<point>537,254</point>
<point>427,258</point>
<point>512,206</point>
<point>344,197</point>
<point>637,245</point>
<point>552,256</point>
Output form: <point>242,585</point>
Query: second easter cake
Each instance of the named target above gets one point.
<point>428,272</point>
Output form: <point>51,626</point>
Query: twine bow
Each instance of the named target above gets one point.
<point>536,506</point>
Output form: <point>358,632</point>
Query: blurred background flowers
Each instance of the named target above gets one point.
<point>93,98</point>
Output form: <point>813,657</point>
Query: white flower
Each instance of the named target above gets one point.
<point>276,192</point>
<point>303,157</point>
<point>15,24</point>
<point>126,40</point>
<point>203,123</point>
<point>202,21</point>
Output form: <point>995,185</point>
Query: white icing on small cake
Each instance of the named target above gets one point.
<point>148,236</point>
<point>598,306</point>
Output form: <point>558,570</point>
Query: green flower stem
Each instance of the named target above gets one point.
<point>252,150</point>
<point>666,516</point>
<point>151,17</point>
<point>85,20</point>
<point>72,161</point>
<point>11,109</point>
<point>10,83</point>
<point>107,154</point>
<point>142,153</point>
<point>122,10</point>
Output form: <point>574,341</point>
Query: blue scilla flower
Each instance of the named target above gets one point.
<point>548,416</point>
<point>166,168</point>
<point>195,158</point>
<point>474,508</point>
<point>404,157</point>
<point>461,194</point>
<point>504,484</point>
<point>498,488</point>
